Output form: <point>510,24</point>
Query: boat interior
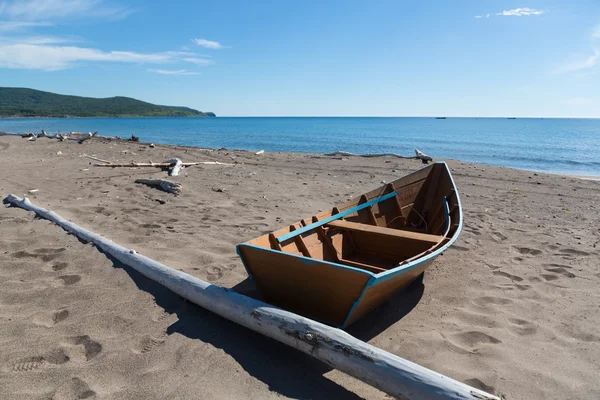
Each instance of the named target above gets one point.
<point>383,229</point>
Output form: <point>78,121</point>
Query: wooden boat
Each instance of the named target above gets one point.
<point>340,264</point>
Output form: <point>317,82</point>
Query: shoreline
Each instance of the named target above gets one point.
<point>565,173</point>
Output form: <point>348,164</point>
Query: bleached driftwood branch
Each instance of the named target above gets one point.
<point>176,166</point>
<point>158,165</point>
<point>167,186</point>
<point>419,155</point>
<point>87,137</point>
<point>392,374</point>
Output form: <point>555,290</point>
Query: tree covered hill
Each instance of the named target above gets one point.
<point>21,102</point>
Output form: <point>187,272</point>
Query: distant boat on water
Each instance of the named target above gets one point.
<point>440,117</point>
<point>511,117</point>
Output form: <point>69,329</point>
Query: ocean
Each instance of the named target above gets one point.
<point>569,146</point>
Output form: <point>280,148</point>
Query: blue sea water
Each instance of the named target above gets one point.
<point>551,145</point>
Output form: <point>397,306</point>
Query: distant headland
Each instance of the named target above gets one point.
<point>22,102</point>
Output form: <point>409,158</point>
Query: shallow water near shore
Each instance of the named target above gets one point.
<point>568,146</point>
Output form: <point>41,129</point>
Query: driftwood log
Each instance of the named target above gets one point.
<point>163,184</point>
<point>390,373</point>
<point>419,155</point>
<point>158,165</point>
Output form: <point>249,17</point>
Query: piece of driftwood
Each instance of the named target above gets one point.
<point>390,373</point>
<point>89,136</point>
<point>419,155</point>
<point>175,166</point>
<point>158,165</point>
<point>163,184</point>
<point>95,159</point>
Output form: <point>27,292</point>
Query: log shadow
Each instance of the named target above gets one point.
<point>283,369</point>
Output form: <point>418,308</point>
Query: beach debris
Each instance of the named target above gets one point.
<point>89,136</point>
<point>34,190</point>
<point>158,165</point>
<point>95,158</point>
<point>258,153</point>
<point>176,166</point>
<point>59,153</point>
<point>419,155</point>
<point>134,139</point>
<point>151,145</point>
<point>162,184</point>
<point>391,374</point>
<point>218,190</point>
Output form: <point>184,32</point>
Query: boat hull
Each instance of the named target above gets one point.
<point>341,264</point>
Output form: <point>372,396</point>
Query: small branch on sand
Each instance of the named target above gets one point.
<point>419,155</point>
<point>95,159</point>
<point>393,375</point>
<point>167,186</point>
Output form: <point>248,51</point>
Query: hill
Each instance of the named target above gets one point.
<point>22,102</point>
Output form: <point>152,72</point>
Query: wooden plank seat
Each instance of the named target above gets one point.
<point>354,226</point>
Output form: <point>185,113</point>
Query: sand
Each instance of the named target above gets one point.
<point>511,308</point>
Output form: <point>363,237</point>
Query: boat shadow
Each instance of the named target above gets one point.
<point>384,316</point>
<point>283,369</point>
<point>377,320</point>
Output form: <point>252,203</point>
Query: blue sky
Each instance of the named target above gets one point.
<point>346,58</point>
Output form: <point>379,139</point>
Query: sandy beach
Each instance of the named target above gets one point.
<point>511,308</point>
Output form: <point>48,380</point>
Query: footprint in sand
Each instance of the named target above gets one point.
<point>44,254</point>
<point>52,358</point>
<point>522,327</point>
<point>572,252</point>
<point>497,236</point>
<point>549,277</point>
<point>559,269</point>
<point>528,251</point>
<point>50,319</point>
<point>74,388</point>
<point>513,278</point>
<point>149,343</point>
<point>82,348</point>
<point>213,273</point>
<point>60,266</point>
<point>471,341</point>
<point>67,280</point>
<point>489,300</point>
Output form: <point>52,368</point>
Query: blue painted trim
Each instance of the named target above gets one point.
<point>308,260</point>
<point>342,214</point>
<point>357,302</point>
<point>392,273</point>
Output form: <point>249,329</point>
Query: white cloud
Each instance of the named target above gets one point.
<point>9,26</point>
<point>519,12</point>
<point>584,63</point>
<point>198,61</point>
<point>43,10</point>
<point>53,58</point>
<point>173,72</point>
<point>209,44</point>
<point>478,16</point>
